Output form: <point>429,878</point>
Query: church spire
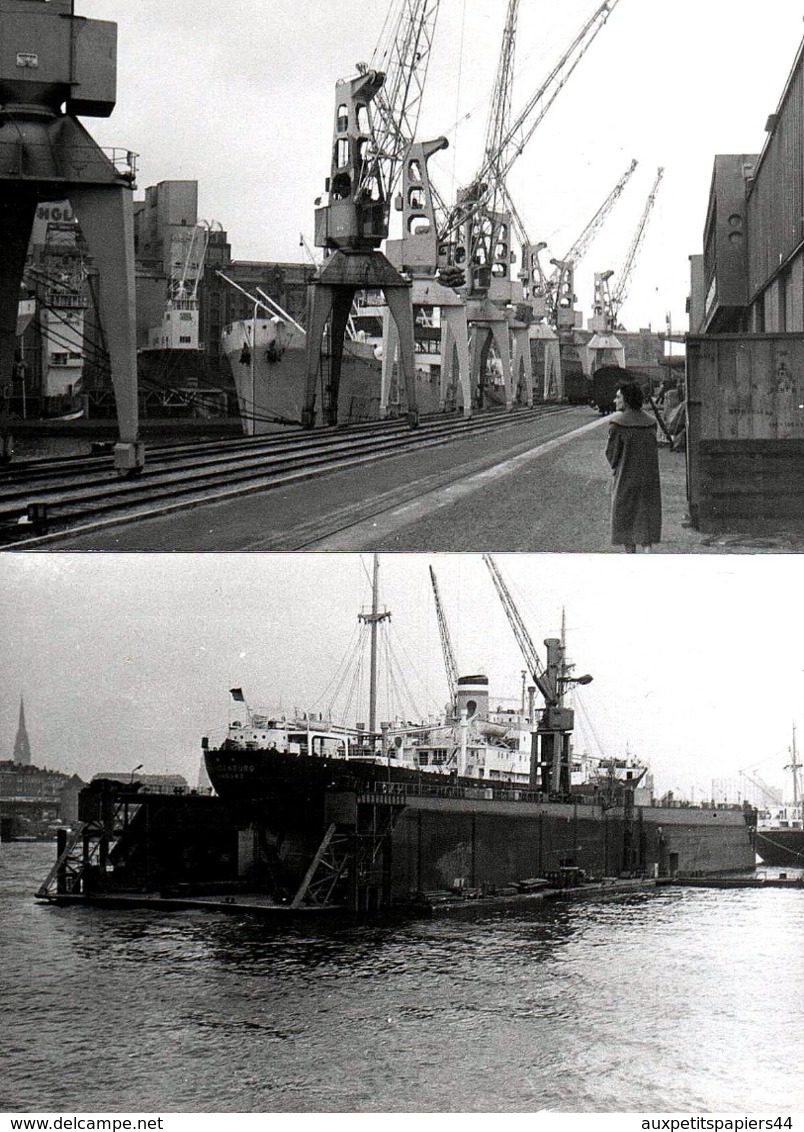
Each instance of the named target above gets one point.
<point>22,748</point>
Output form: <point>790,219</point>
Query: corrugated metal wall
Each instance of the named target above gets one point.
<point>776,204</point>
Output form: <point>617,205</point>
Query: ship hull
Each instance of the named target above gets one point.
<point>271,378</point>
<point>781,846</point>
<point>450,832</point>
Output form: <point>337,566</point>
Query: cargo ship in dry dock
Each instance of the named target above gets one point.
<point>484,803</point>
<point>474,801</point>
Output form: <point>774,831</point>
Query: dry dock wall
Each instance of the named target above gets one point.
<point>436,842</point>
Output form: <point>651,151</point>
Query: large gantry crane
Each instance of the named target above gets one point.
<point>375,118</point>
<point>446,250</point>
<point>552,299</point>
<point>551,757</point>
<point>604,347</point>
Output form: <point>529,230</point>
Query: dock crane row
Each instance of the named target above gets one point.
<point>511,137</point>
<point>468,248</point>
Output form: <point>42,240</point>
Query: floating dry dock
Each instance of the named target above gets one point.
<point>378,848</point>
<point>442,903</point>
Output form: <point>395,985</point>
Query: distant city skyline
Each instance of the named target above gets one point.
<point>128,659</point>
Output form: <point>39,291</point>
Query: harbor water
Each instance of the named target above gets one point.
<point>683,1000</point>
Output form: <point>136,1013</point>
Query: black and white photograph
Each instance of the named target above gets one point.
<point>401,450</point>
<point>405,833</point>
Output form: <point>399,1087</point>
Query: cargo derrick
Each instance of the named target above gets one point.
<point>55,66</point>
<point>550,758</point>
<point>375,117</point>
<point>604,348</point>
<point>561,283</point>
<point>476,237</point>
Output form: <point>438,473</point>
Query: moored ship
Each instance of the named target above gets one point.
<point>475,800</point>
<point>267,357</point>
<point>780,830</point>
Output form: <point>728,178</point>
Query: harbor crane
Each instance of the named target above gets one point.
<point>403,56</point>
<point>375,114</point>
<point>450,663</point>
<point>770,795</point>
<point>551,757</point>
<point>475,239</point>
<point>604,345</point>
<point>464,229</point>
<point>460,258</point>
<point>561,282</point>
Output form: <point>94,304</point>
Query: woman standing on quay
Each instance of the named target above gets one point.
<point>632,452</point>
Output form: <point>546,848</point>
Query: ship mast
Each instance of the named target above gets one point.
<point>373,619</point>
<point>795,766</point>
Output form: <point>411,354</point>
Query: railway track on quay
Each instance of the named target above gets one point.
<point>42,500</point>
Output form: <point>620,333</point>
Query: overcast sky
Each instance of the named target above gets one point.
<point>240,96</point>
<point>128,659</point>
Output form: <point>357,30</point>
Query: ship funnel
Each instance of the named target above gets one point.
<point>472,696</point>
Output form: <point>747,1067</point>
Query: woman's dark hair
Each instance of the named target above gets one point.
<point>632,395</point>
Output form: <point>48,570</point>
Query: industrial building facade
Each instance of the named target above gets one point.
<point>745,352</point>
<point>61,358</point>
<point>753,261</point>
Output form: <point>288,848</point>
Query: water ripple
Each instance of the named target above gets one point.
<point>686,1000</point>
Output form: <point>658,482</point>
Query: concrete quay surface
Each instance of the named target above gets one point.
<point>535,488</point>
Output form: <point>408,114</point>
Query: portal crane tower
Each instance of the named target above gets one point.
<point>425,254</point>
<point>354,221</point>
<point>551,756</point>
<point>446,645</point>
